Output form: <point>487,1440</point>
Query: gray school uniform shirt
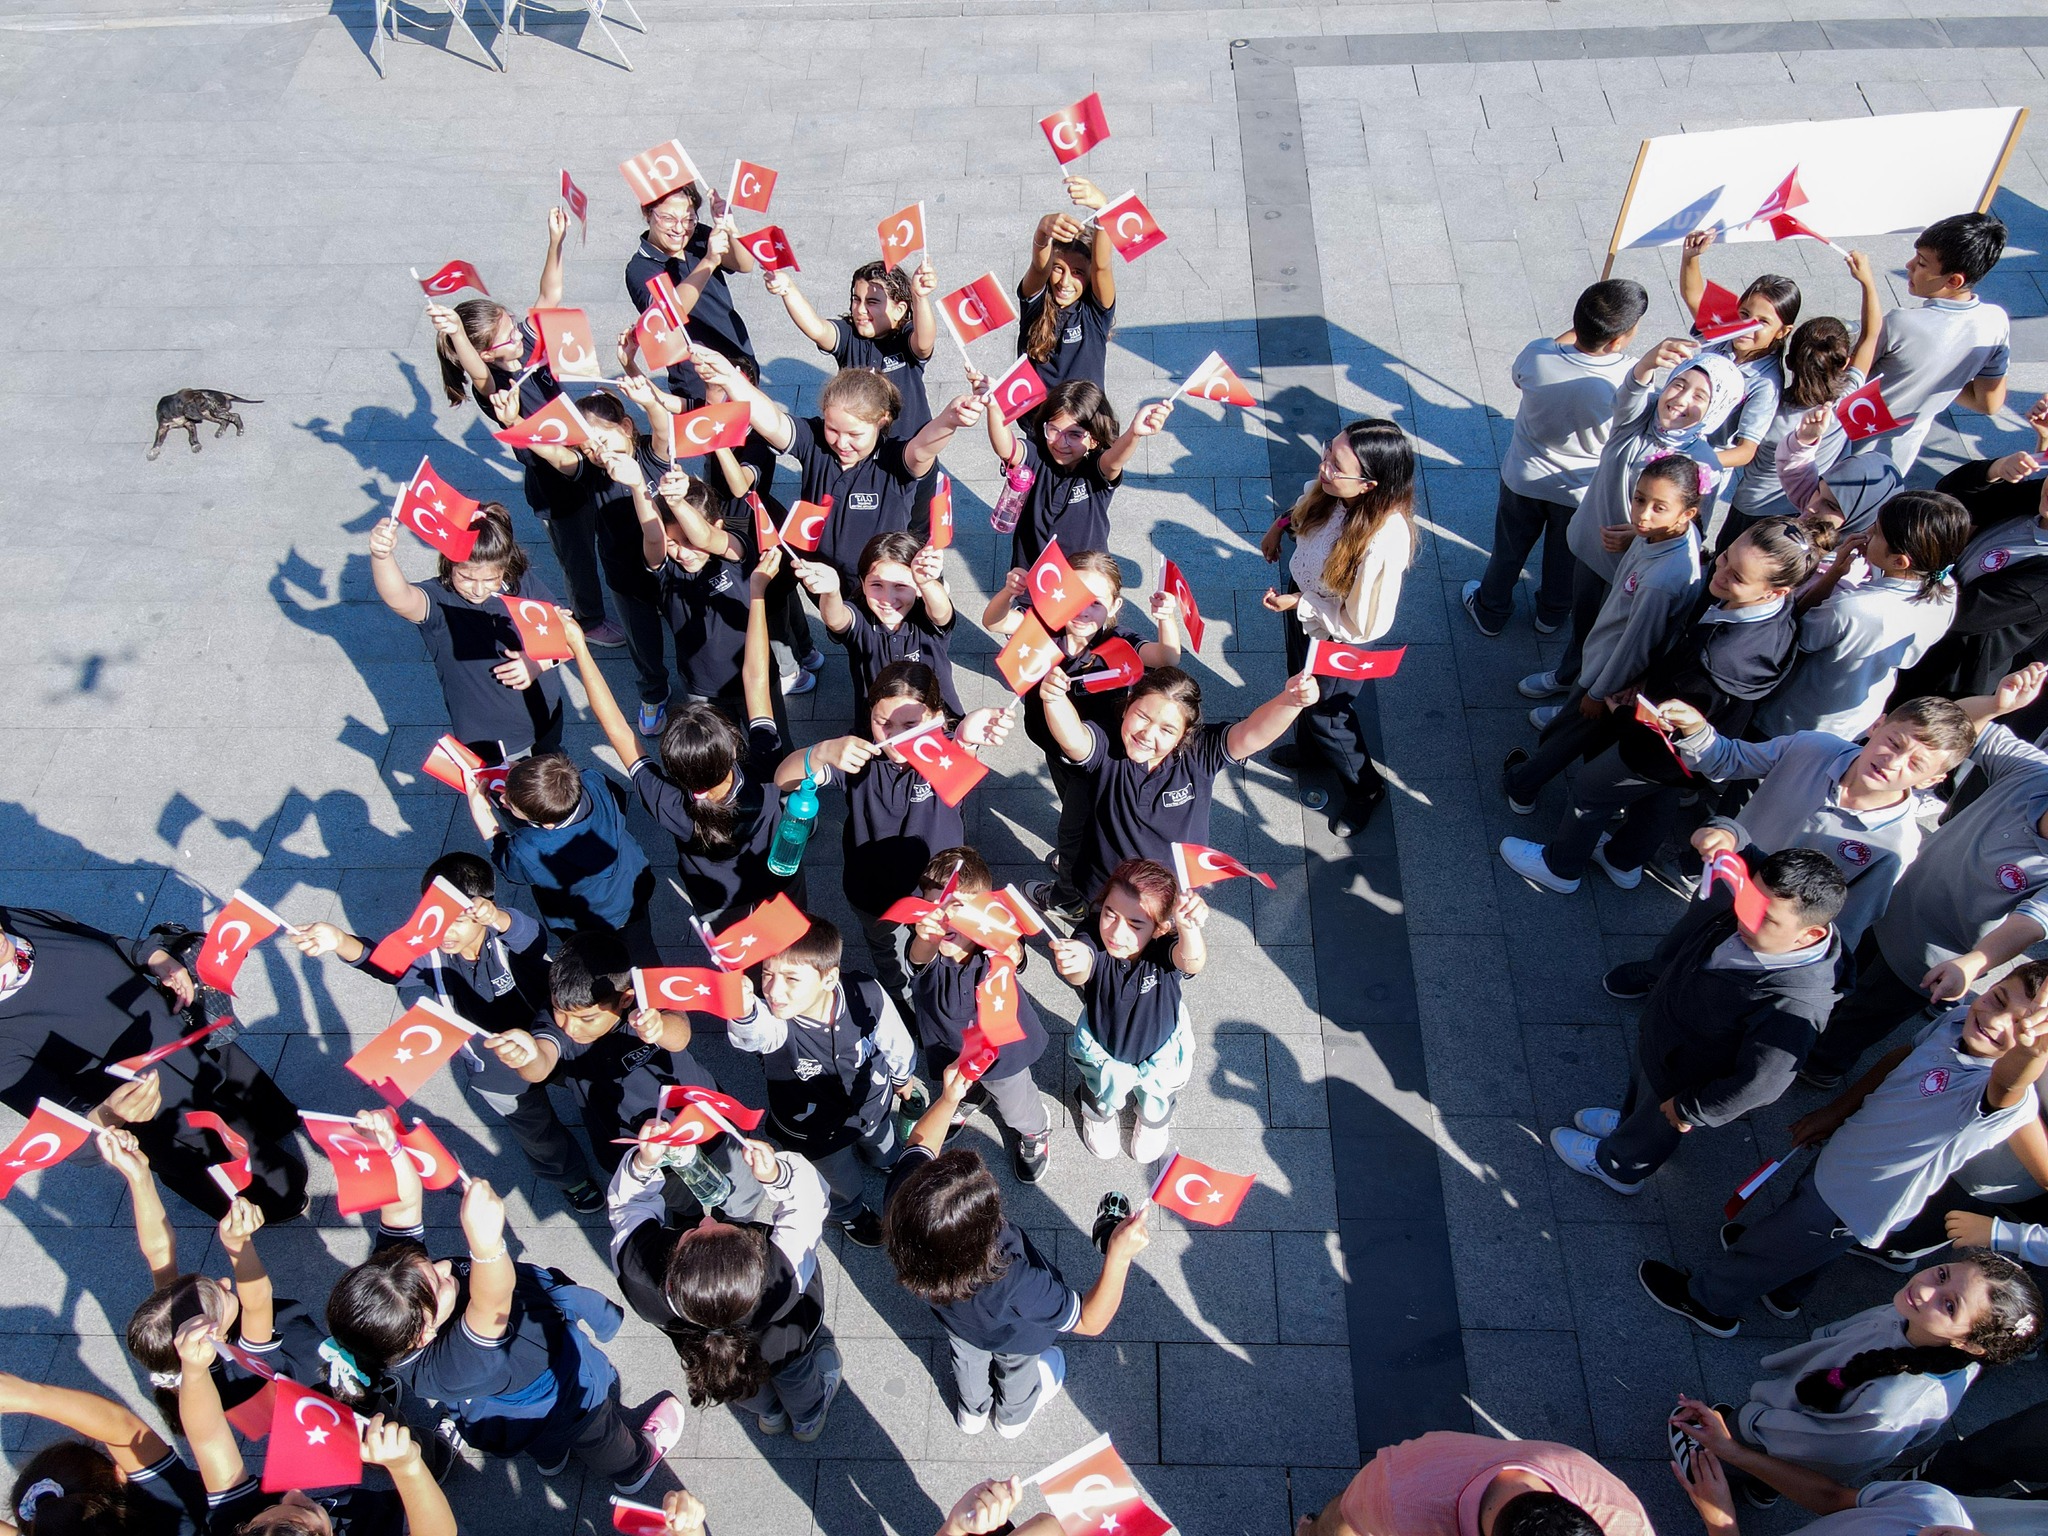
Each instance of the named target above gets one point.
<point>1633,441</point>
<point>1763,384</point>
<point>1922,1123</point>
<point>1929,354</point>
<point>1798,805</point>
<point>1566,412</point>
<point>1894,1509</point>
<point>1988,862</point>
<point>1758,491</point>
<point>1879,1421</point>
<point>1851,647</point>
<point>1653,586</point>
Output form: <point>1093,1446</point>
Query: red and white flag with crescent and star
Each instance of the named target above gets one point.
<point>438,513</point>
<point>441,904</point>
<point>751,187</point>
<point>1201,1193</point>
<point>579,204</point>
<point>1055,588</point>
<point>1326,658</point>
<point>901,233</point>
<point>995,1002</point>
<point>950,769</point>
<point>1175,585</point>
<point>1216,381</point>
<point>1196,866</point>
<point>979,308</point>
<point>1017,391</point>
<point>241,925</point>
<point>314,1442</point>
<point>52,1134</point>
<point>233,1175</point>
<point>401,1060</point>
<point>1073,131</point>
<point>436,1164</point>
<point>804,528</point>
<point>542,636</point>
<point>1027,656</point>
<point>942,512</point>
<point>712,427</point>
<point>1092,1493</point>
<point>1130,226</point>
<point>558,424</point>
<point>689,989</point>
<point>1863,413</point>
<point>660,331</point>
<point>770,247</point>
<point>365,1178</point>
<point>1119,666</point>
<point>453,278</point>
<point>654,173</point>
<point>766,932</point>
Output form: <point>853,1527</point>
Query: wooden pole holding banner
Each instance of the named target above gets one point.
<point>2004,155</point>
<point>1621,218</point>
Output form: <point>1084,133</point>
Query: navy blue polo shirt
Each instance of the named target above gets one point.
<point>466,641</point>
<point>714,322</point>
<point>166,1498</point>
<point>1069,504</point>
<point>895,824</point>
<point>583,872</point>
<point>1140,814</point>
<point>1133,1005</point>
<point>1024,1310</point>
<point>707,609</point>
<point>870,648</point>
<point>1082,351</point>
<point>943,997</point>
<point>737,874</point>
<point>350,1511</point>
<point>619,1066</point>
<point>1105,709</point>
<point>872,497</point>
<point>892,357</point>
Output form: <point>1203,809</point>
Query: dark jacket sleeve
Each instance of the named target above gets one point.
<point>1763,1070</point>
<point>1989,502</point>
<point>2014,598</point>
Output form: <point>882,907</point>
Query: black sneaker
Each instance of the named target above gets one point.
<point>1815,1077</point>
<point>1731,1233</point>
<point>1033,1155</point>
<point>1630,980</point>
<point>584,1197</point>
<point>864,1230</point>
<point>1350,819</point>
<point>1902,1261</point>
<point>1671,1288</point>
<point>1780,1305</point>
<point>1040,894</point>
<point>1515,759</point>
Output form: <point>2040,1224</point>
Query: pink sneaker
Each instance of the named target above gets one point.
<point>663,1432</point>
<point>606,634</point>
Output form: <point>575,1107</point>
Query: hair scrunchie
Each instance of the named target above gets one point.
<point>44,1488</point>
<point>342,1370</point>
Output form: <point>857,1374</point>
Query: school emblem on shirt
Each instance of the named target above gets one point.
<point>1080,493</point>
<point>1150,983</point>
<point>806,1069</point>
<point>1855,853</point>
<point>1635,579</point>
<point>1073,332</point>
<point>920,792</point>
<point>1996,559</point>
<point>864,501</point>
<point>891,364</point>
<point>1936,1081</point>
<point>2012,877</point>
<point>1178,797</point>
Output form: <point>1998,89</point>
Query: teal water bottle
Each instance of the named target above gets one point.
<point>799,821</point>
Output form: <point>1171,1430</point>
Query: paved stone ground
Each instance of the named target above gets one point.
<point>207,693</point>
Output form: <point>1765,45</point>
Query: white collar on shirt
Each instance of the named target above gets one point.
<point>1756,615</point>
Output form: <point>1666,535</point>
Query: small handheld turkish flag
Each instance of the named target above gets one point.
<point>737,1116</point>
<point>439,906</point>
<point>313,1441</point>
<point>982,306</point>
<point>1727,868</point>
<point>1741,325</point>
<point>1029,920</point>
<point>654,173</point>
<point>1785,227</point>
<point>1027,656</point>
<point>1214,380</point>
<point>751,186</point>
<point>637,1519</point>
<point>365,1179</point>
<point>436,1164</point>
<point>1017,391</point>
<point>995,1002</point>
<point>1784,197</point>
<point>453,278</point>
<point>1176,585</point>
<point>659,332</point>
<point>901,233</point>
<point>541,635</point>
<point>1650,715</point>
<point>558,424</point>
<point>579,204</point>
<point>401,1060</point>
<point>771,928</point>
<point>804,528</point>
<point>770,247</point>
<point>1092,1493</point>
<point>233,1176</point>
<point>1746,1190</point>
<point>689,989</point>
<point>1120,666</point>
<point>1130,226</point>
<point>1197,866</point>
<point>712,427</point>
<point>1200,1193</point>
<point>52,1134</point>
<point>1073,131</point>
<point>455,765</point>
<point>977,1053</point>
<point>1863,413</point>
<point>129,1068</point>
<point>950,769</point>
<point>1718,306</point>
<point>942,512</point>
<point>1326,658</point>
<point>765,536</point>
<point>909,910</point>
<point>984,918</point>
<point>1056,589</point>
<point>438,513</point>
<point>242,924</point>
<point>566,343</point>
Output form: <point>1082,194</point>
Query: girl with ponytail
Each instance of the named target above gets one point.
<point>1066,300</point>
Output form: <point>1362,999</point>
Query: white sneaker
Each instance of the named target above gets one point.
<point>1541,685</point>
<point>1099,1137</point>
<point>1543,714</point>
<point>970,1423</point>
<point>1598,1123</point>
<point>1627,879</point>
<point>1526,859</point>
<point>1148,1141</point>
<point>1576,1149</point>
<point>803,682</point>
<point>1052,1373</point>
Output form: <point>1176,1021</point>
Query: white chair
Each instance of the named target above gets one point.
<point>515,19</point>
<point>386,20</point>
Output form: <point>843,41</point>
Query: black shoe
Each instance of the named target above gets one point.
<point>1033,1155</point>
<point>1286,757</point>
<point>1630,980</point>
<point>1780,1305</point>
<point>1902,1261</point>
<point>1350,819</point>
<point>1671,1288</point>
<point>584,1197</point>
<point>865,1229</point>
<point>1515,759</point>
<point>1817,1077</point>
<point>1731,1233</point>
<point>1044,895</point>
<point>1755,1494</point>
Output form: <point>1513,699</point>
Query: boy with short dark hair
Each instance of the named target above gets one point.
<point>1727,1024</point>
<point>563,834</point>
<point>1568,384</point>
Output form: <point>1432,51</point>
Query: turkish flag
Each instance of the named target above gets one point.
<point>1214,380</point>
<point>654,173</point>
<point>729,1109</point>
<point>1863,413</point>
<point>1130,226</point>
<point>129,1068</point>
<point>909,910</point>
<point>1786,227</point>
<point>1726,330</point>
<point>770,247</point>
<point>1326,658</point>
<point>901,233</point>
<point>232,1176</point>
<point>52,1134</point>
<point>1172,582</point>
<point>452,763</point>
<point>439,906</point>
<point>242,924</point>
<point>1647,713</point>
<point>942,512</point>
<point>1018,390</point>
<point>1201,1193</point>
<point>364,1178</point>
<point>982,306</point>
<point>1746,1190</point>
<point>453,278</point>
<point>985,919</point>
<point>436,1164</point>
<point>1198,866</point>
<point>313,1441</point>
<point>751,186</point>
<point>423,1040</point>
<point>1786,196</point>
<point>1030,921</point>
<point>995,1002</point>
<point>251,1416</point>
<point>1055,588</point>
<point>541,634</point>
<point>659,331</point>
<point>1073,131</point>
<point>765,536</point>
<point>637,1519</point>
<point>1027,656</point>
<point>1120,667</point>
<point>1751,904</point>
<point>950,769</point>
<point>1092,1493</point>
<point>772,927</point>
<point>977,1053</point>
<point>804,528</point>
<point>558,424</point>
<point>689,989</point>
<point>1718,306</point>
<point>579,204</point>
<point>566,343</point>
<point>438,513</point>
<point>712,427</point>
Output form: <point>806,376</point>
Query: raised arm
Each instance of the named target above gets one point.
<point>1062,720</point>
<point>1165,651</point>
<point>924,320</point>
<point>1870,321</point>
<point>391,1446</point>
<point>1099,1306</point>
<point>154,1234</point>
<point>661,435</point>
<point>922,451</point>
<point>822,333</point>
<point>1102,279</point>
<point>2019,1068</point>
<point>550,296</point>
<point>1270,721</point>
<point>1692,282</point>
<point>130,1441</point>
<point>200,1413</point>
<point>2016,690</point>
<point>1190,947</point>
<point>1002,616</point>
<point>618,731</point>
<point>405,1209</point>
<point>454,340</point>
<point>739,478</point>
<point>929,571</point>
<point>491,1272</point>
<point>822,582</point>
<point>399,595</point>
<point>757,670</point>
<point>698,529</point>
<point>252,1281</point>
<point>1145,423</point>
<point>767,418</point>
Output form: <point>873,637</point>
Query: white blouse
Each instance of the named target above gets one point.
<point>1367,611</point>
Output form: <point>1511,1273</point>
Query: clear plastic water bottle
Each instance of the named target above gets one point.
<point>1009,505</point>
<point>700,1176</point>
<point>793,831</point>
